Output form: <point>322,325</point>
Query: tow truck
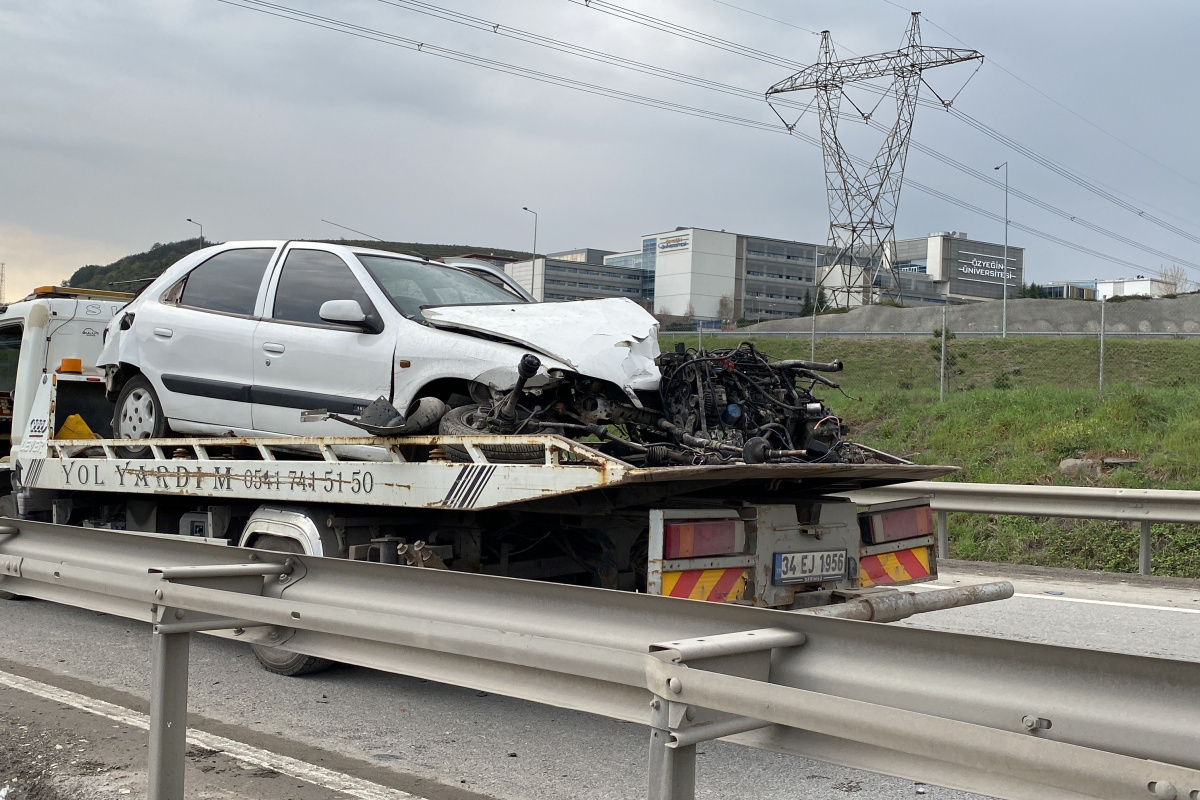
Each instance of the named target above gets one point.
<point>766,535</point>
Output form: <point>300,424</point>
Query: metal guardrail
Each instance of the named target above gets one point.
<point>1144,506</point>
<point>1010,719</point>
<point>806,334</point>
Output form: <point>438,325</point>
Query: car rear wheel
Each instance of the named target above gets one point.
<point>138,415</point>
<point>282,662</point>
<point>467,421</point>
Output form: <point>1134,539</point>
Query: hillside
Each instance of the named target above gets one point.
<point>151,263</point>
<point>1015,408</point>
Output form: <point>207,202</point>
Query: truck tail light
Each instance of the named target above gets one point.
<point>896,523</point>
<point>703,537</point>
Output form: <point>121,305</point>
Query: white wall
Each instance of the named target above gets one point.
<point>531,275</point>
<point>934,259</point>
<point>693,267</point>
<point>1121,287</point>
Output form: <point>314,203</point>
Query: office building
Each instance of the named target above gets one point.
<point>711,276</point>
<point>578,275</point>
<point>1070,290</point>
<point>1141,285</point>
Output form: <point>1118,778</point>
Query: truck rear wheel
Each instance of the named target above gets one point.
<point>282,662</point>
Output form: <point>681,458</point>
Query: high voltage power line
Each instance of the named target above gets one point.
<point>477,23</point>
<point>1060,104</point>
<point>1045,161</point>
<point>341,26</point>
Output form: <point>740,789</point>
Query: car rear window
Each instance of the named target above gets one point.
<point>227,282</point>
<point>412,284</point>
<point>309,278</point>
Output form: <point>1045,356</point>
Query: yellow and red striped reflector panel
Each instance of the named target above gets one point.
<point>713,585</point>
<point>902,566</point>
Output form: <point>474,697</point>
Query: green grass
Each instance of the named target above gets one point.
<point>1050,411</point>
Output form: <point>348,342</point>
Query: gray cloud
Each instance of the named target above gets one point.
<point>123,119</point>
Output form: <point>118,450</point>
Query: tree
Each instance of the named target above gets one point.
<point>806,308</point>
<point>1178,277</point>
<point>822,301</point>
<point>725,307</point>
<point>690,311</point>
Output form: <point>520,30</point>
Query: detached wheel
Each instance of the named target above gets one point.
<point>283,662</point>
<point>138,415</point>
<point>469,420</point>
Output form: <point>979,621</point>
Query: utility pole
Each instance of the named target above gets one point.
<point>1,282</point>
<point>942,379</point>
<point>1004,272</point>
<point>201,230</point>
<point>1102,304</point>
<point>531,211</point>
<point>813,355</point>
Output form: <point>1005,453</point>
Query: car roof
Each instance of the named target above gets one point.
<point>331,246</point>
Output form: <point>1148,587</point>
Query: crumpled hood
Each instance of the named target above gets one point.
<point>613,339</point>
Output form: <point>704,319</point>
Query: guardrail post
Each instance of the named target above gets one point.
<point>943,534</point>
<point>1144,554</point>
<point>672,771</point>
<point>168,716</point>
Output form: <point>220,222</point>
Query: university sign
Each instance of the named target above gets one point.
<point>986,269</point>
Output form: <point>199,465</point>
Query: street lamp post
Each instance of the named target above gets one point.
<point>1004,301</point>
<point>531,211</point>
<point>201,227</point>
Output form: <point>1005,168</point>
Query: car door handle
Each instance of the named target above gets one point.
<point>165,333</point>
<point>273,348</point>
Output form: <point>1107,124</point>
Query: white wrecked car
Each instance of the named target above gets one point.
<point>241,338</point>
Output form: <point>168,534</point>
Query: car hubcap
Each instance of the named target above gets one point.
<point>137,416</point>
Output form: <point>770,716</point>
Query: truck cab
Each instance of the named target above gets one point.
<point>36,335</point>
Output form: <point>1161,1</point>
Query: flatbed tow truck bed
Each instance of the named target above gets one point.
<point>411,472</point>
<point>763,534</point>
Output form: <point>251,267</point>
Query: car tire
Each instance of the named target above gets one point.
<point>138,414</point>
<point>462,421</point>
<point>283,662</point>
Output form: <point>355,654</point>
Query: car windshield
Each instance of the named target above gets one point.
<point>413,284</point>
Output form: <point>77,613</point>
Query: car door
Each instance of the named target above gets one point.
<point>302,362</point>
<point>195,341</point>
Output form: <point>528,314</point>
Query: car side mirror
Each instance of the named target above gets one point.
<point>344,312</point>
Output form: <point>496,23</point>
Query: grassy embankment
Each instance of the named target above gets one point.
<point>1013,410</point>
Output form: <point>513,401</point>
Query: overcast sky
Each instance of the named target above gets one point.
<point>120,119</point>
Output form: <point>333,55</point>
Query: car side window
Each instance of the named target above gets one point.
<point>228,282</point>
<point>309,279</point>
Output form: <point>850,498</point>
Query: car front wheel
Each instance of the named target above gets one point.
<point>138,415</point>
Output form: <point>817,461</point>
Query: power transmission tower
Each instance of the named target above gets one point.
<point>1,282</point>
<point>862,204</point>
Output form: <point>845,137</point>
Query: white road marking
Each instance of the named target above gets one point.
<point>1108,603</point>
<point>325,778</point>
<point>920,588</point>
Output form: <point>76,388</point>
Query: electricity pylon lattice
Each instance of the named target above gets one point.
<point>863,196</point>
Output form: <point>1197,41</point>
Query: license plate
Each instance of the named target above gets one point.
<point>823,565</point>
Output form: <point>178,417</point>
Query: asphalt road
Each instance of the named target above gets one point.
<point>442,742</point>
